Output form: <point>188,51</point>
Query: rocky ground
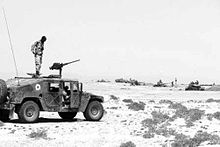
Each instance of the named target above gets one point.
<point>134,116</point>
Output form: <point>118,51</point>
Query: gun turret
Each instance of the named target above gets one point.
<point>59,66</point>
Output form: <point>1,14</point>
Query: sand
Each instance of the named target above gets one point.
<point>121,125</point>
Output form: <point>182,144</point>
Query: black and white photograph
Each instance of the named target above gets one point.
<point>109,73</point>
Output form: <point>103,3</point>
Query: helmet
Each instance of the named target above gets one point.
<point>43,38</point>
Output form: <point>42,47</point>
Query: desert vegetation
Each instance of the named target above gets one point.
<point>200,137</point>
<point>128,144</point>
<point>103,81</point>
<point>129,120</point>
<point>136,106</point>
<point>212,100</point>
<point>38,134</point>
<point>112,97</point>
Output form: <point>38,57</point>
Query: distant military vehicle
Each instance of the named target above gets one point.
<point>160,84</point>
<point>194,86</point>
<point>27,96</point>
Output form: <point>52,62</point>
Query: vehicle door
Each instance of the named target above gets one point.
<point>75,98</point>
<point>52,94</point>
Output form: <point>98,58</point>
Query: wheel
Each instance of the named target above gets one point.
<point>67,115</point>
<point>4,115</point>
<point>94,111</point>
<point>3,91</point>
<point>29,112</point>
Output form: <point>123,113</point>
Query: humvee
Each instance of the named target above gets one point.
<point>27,96</point>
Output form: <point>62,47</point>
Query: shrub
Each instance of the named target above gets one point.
<point>159,117</point>
<point>200,137</point>
<point>212,100</point>
<point>112,97</point>
<point>164,131</point>
<point>165,102</point>
<point>148,134</point>
<point>102,81</point>
<point>127,100</point>
<point>177,106</point>
<point>209,117</point>
<point>38,134</point>
<point>128,144</point>
<point>113,108</point>
<point>136,106</point>
<point>190,115</point>
<point>195,114</point>
<point>149,123</point>
<point>152,125</point>
<point>181,140</point>
<point>216,115</point>
<point>204,136</point>
<point>151,101</point>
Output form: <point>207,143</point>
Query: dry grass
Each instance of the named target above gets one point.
<point>128,100</point>
<point>165,102</point>
<point>212,100</point>
<point>157,125</point>
<point>190,115</point>
<point>182,140</point>
<point>112,97</point>
<point>216,115</point>
<point>128,144</point>
<point>151,101</point>
<point>159,117</point>
<point>136,106</point>
<point>39,134</point>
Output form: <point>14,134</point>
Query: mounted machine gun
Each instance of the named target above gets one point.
<point>59,66</point>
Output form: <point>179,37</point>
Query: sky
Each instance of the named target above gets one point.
<point>146,40</point>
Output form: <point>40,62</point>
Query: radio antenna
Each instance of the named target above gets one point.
<point>9,36</point>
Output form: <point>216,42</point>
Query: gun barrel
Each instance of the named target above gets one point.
<point>70,62</point>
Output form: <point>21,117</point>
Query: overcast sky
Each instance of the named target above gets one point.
<point>143,39</point>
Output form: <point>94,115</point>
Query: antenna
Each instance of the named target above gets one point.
<point>12,51</point>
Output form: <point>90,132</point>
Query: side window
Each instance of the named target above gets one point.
<point>75,88</point>
<point>53,87</point>
<point>66,87</point>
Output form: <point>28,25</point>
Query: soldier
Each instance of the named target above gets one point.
<point>66,96</point>
<point>37,49</point>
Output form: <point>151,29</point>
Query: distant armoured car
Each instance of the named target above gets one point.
<point>28,96</point>
<point>194,86</point>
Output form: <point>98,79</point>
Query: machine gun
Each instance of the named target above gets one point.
<point>59,66</point>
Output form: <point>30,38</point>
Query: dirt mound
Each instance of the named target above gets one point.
<point>213,88</point>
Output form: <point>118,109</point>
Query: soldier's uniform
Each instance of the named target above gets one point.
<point>37,49</point>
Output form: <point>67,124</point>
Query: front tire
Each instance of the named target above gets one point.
<point>67,115</point>
<point>94,111</point>
<point>29,112</point>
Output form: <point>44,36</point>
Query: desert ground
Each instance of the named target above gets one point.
<point>138,116</point>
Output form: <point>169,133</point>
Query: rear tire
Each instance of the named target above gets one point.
<point>67,115</point>
<point>3,91</point>
<point>29,112</point>
<point>4,115</point>
<point>94,111</point>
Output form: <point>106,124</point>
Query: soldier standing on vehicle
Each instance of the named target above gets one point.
<point>37,49</point>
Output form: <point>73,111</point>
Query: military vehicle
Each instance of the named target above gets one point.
<point>194,86</point>
<point>160,84</point>
<point>27,96</point>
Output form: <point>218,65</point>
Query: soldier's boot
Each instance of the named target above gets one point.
<point>37,73</point>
